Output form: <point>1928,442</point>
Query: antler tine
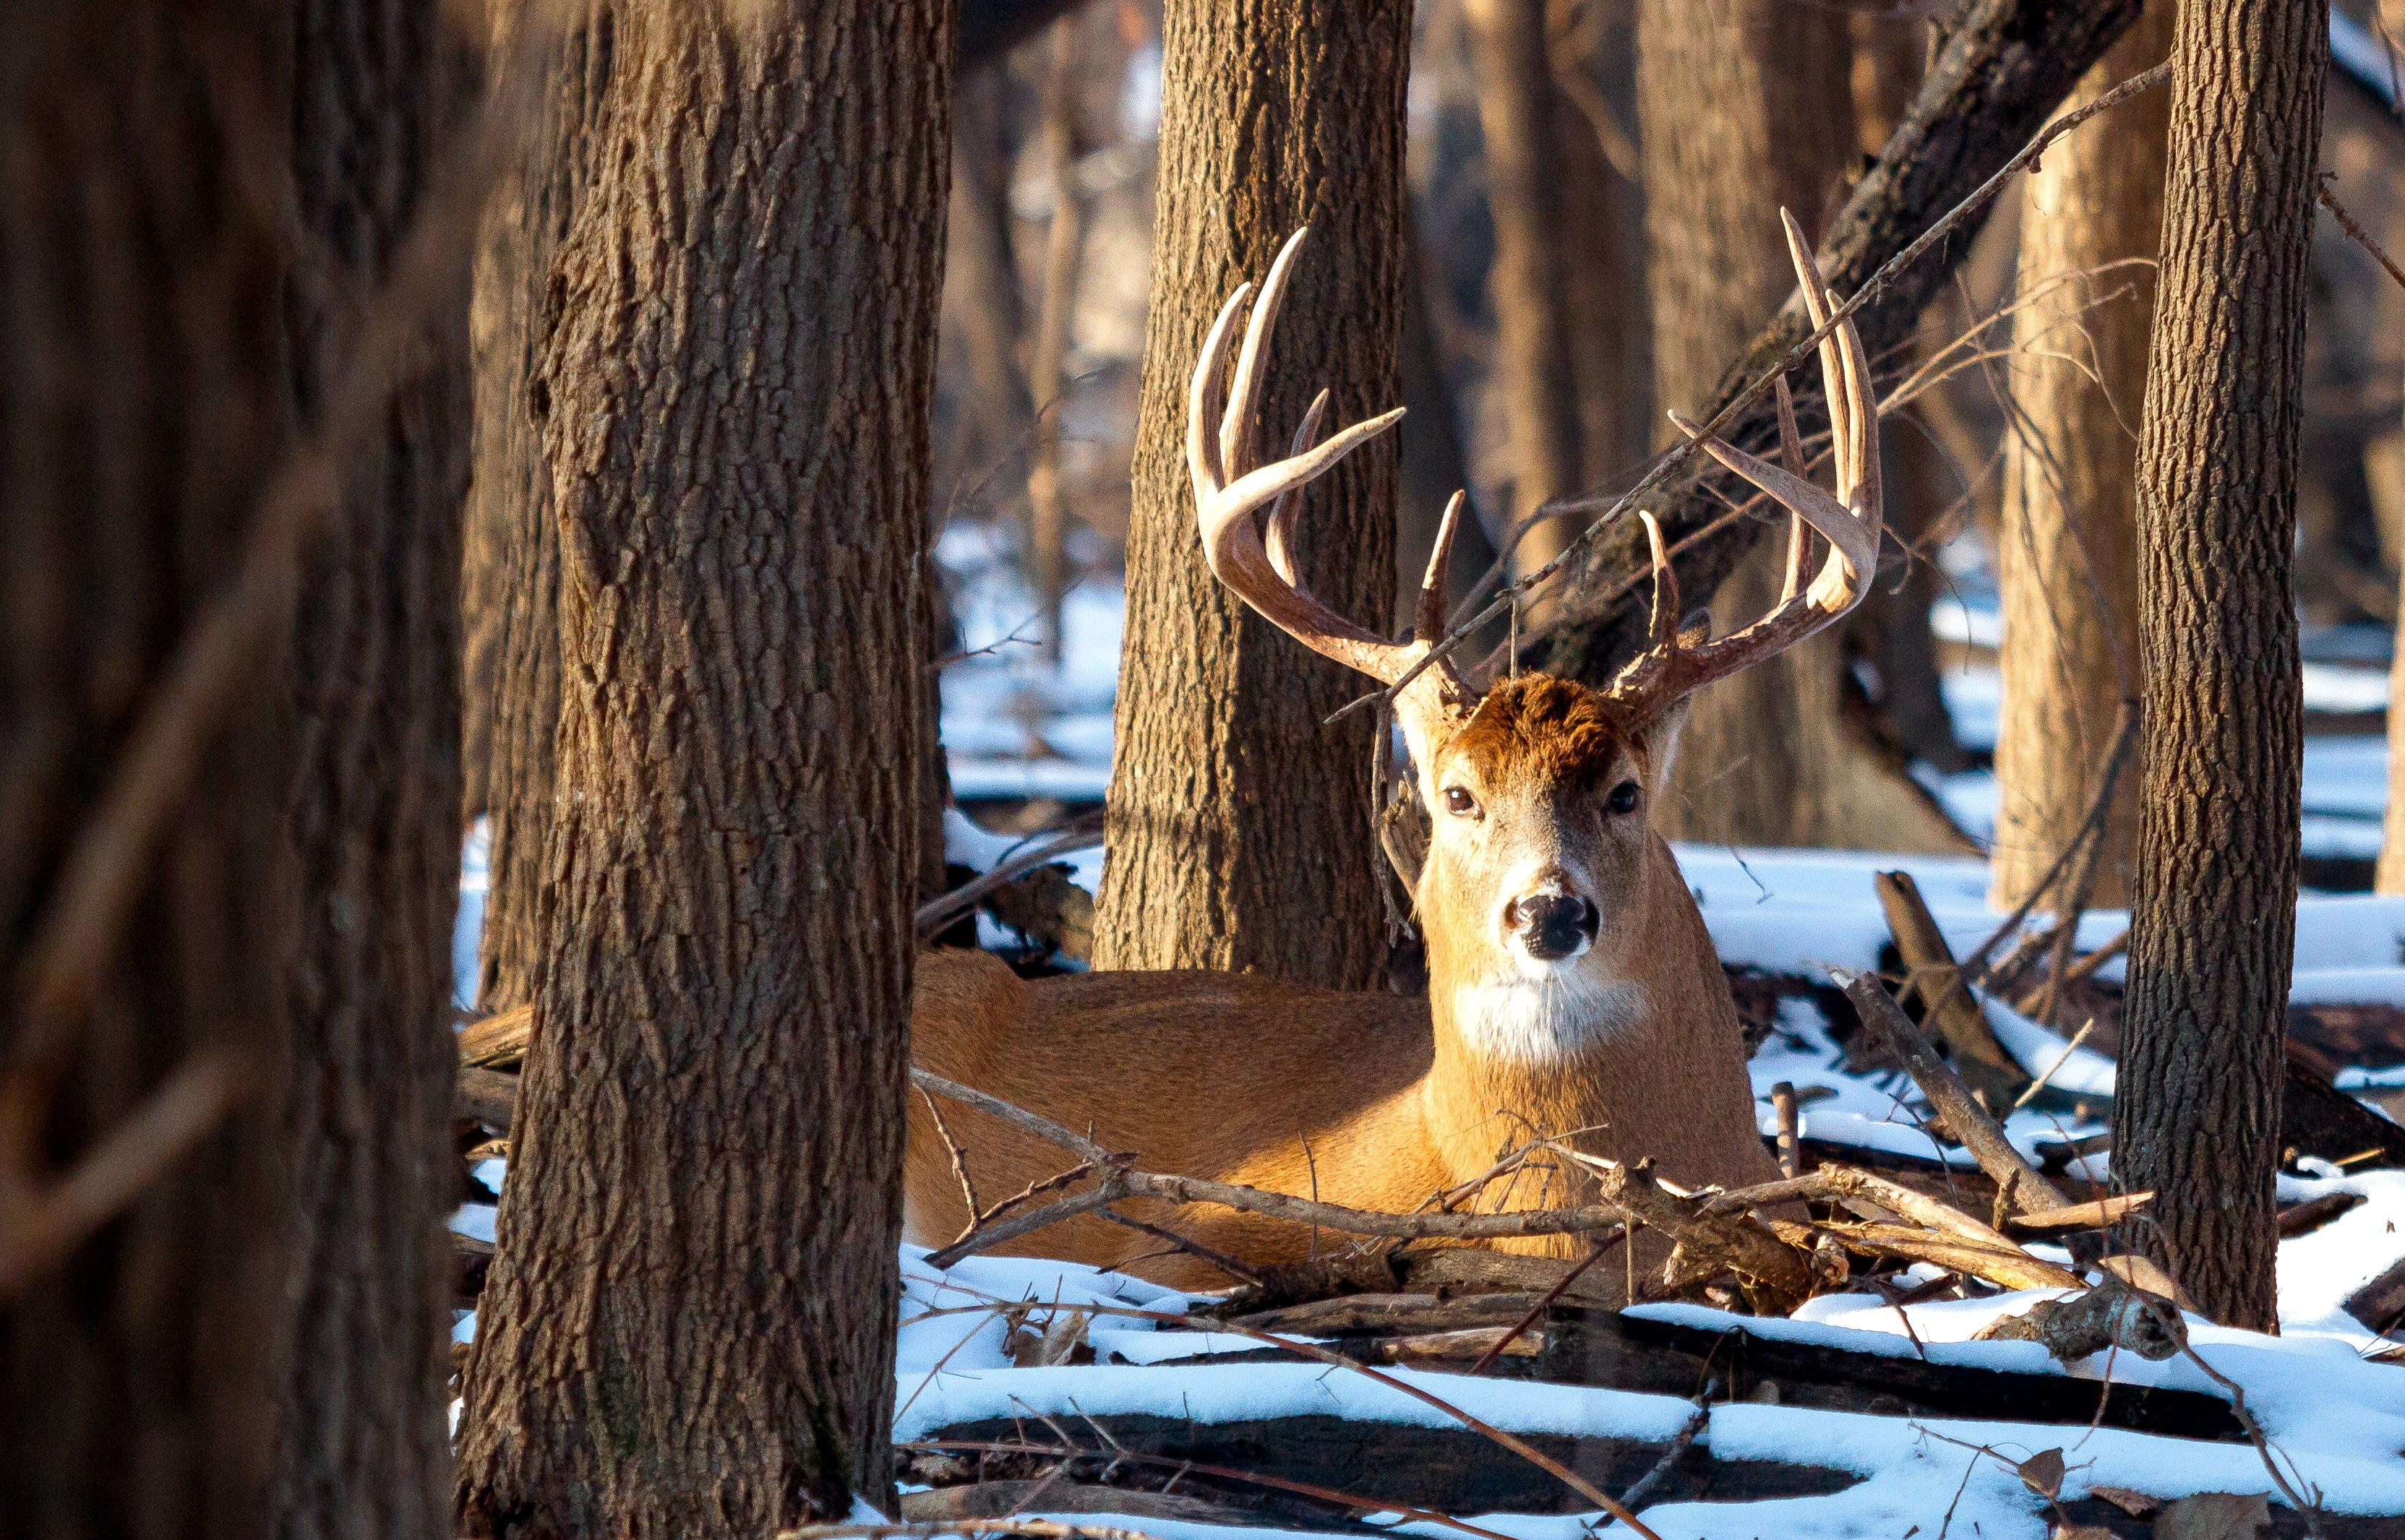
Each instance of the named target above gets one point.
<point>1791,455</point>
<point>1202,400</point>
<point>1427,620</point>
<point>1848,520</point>
<point>1229,491</point>
<point>1236,427</point>
<point>1280,522</point>
<point>1665,586</point>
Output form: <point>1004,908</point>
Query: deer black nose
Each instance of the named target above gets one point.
<point>1551,926</point>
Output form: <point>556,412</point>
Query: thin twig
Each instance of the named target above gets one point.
<point>2356,232</point>
<point>934,915</point>
<point>1678,456</point>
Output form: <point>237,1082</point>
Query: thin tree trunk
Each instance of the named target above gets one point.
<point>365,1454</point>
<point>1568,279</point>
<point>1431,466</point>
<point>509,578</point>
<point>1892,627</point>
<point>1745,111</point>
<point>2214,917</point>
<point>1239,825</point>
<point>1048,507</point>
<point>146,406</point>
<point>2067,556</point>
<point>984,316</point>
<point>673,1342</point>
<point>2384,468</point>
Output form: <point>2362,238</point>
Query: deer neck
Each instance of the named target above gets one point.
<point>1642,1061</point>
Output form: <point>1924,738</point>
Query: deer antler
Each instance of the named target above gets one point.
<point>1849,520</point>
<point>1230,491</point>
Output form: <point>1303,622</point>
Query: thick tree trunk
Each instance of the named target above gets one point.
<point>2067,552</point>
<point>2214,917</point>
<point>145,408</point>
<point>509,580</point>
<point>365,1453</point>
<point>1747,111</point>
<point>984,325</point>
<point>674,1342</point>
<point>1238,826</point>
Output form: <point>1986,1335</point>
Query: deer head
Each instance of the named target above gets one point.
<point>1539,790</point>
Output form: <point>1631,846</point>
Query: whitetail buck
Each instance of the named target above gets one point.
<point>1572,988</point>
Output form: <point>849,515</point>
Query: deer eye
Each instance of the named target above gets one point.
<point>1623,797</point>
<point>1460,804</point>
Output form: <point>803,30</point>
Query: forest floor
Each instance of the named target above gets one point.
<point>1007,1365</point>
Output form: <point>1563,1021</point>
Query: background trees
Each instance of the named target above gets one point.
<point>2215,887</point>
<point>689,1324</point>
<point>2066,542</point>
<point>1239,825</point>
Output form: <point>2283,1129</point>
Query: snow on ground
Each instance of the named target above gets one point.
<point>1017,730</point>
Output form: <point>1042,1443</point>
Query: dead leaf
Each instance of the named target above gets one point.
<point>2043,1473</point>
<point>2214,1516</point>
<point>2137,1505</point>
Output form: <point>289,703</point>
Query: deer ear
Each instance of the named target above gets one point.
<point>1662,743</point>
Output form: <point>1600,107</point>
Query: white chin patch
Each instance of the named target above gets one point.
<point>1545,1016</point>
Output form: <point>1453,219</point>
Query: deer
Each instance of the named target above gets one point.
<point>1573,990</point>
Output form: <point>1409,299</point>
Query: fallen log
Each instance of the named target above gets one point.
<point>497,1042</point>
<point>1584,1345</point>
<point>1946,1000</point>
<point>1446,1470</point>
<point>486,1097</point>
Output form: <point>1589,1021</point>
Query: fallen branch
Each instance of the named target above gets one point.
<point>1932,973</point>
<point>1961,1118</point>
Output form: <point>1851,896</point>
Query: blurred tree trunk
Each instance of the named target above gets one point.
<point>1892,628</point>
<point>365,1452</point>
<point>2067,557</point>
<point>1239,825</point>
<point>146,402</point>
<point>672,1343</point>
<point>2214,897</point>
<point>2384,469</point>
<point>1746,110</point>
<point>1568,279</point>
<point>983,311</point>
<point>1048,508</point>
<point>510,572</point>
<point>1431,464</point>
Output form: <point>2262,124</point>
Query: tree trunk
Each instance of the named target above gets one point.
<point>1431,466</point>
<point>2214,917</point>
<point>1892,628</point>
<point>510,579</point>
<point>2000,69</point>
<point>1747,110</point>
<point>365,1453</point>
<point>984,323</point>
<point>2067,557</point>
<point>672,1341</point>
<point>1566,281</point>
<point>1064,238</point>
<point>1239,825</point>
<point>145,408</point>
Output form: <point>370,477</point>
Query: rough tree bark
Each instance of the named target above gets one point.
<point>1747,110</point>
<point>365,1453</point>
<point>1238,826</point>
<point>509,571</point>
<point>2001,68</point>
<point>675,1341</point>
<point>2067,556</point>
<point>2214,896</point>
<point>145,407</point>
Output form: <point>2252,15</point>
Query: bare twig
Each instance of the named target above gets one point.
<point>1536,1311</point>
<point>1961,1117</point>
<point>940,910</point>
<point>1036,1529</point>
<point>2355,231</point>
<point>1679,456</point>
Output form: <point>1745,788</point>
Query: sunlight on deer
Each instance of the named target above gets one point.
<point>1573,991</point>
